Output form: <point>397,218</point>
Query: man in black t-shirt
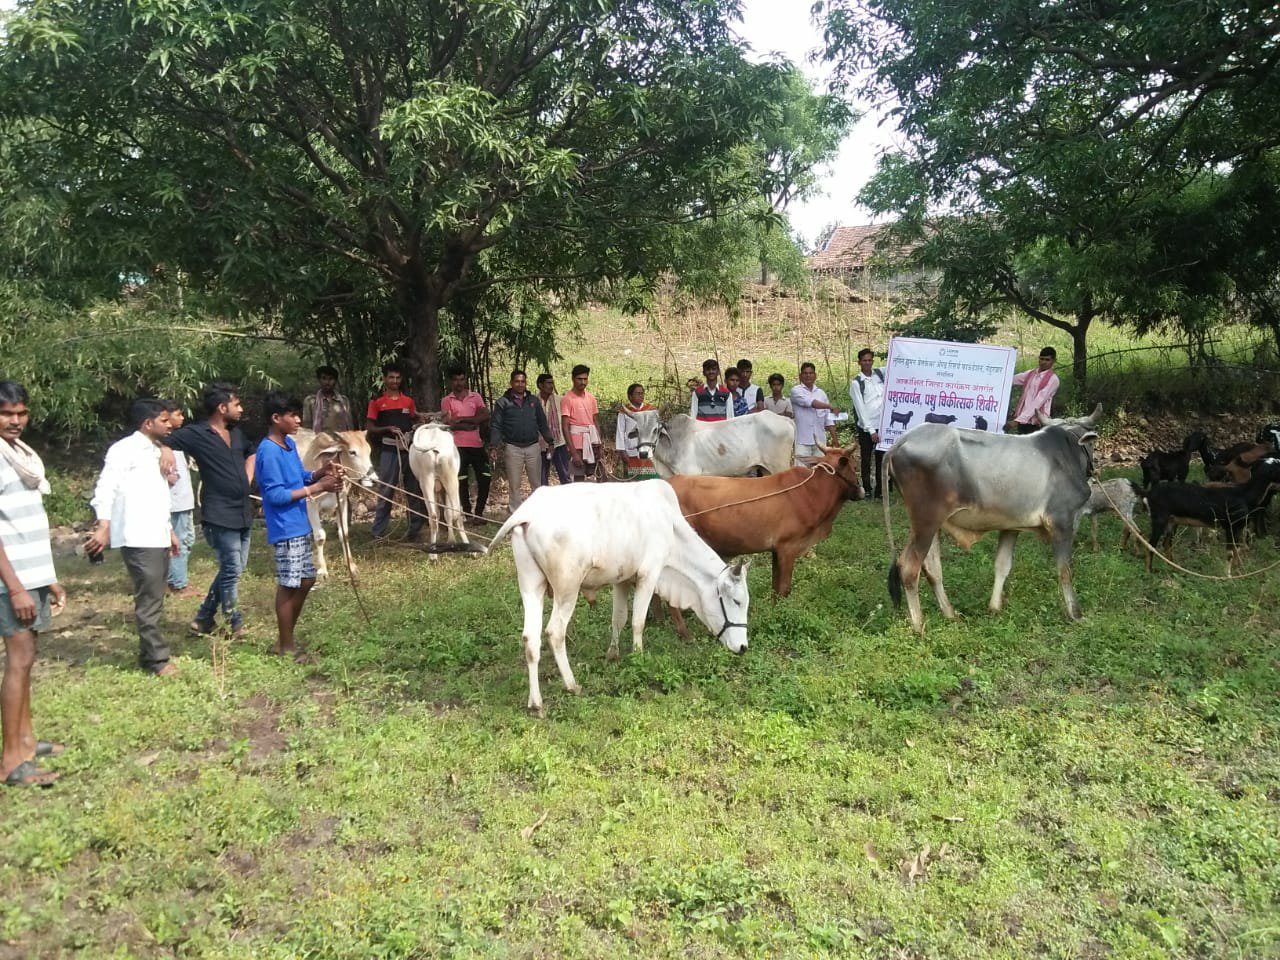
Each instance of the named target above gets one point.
<point>226,470</point>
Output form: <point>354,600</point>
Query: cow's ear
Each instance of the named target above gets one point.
<point>334,448</point>
<point>843,462</point>
<point>1088,437</point>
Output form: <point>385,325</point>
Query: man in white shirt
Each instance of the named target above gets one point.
<point>815,416</point>
<point>747,390</point>
<point>1039,386</point>
<point>131,502</point>
<point>866,390</point>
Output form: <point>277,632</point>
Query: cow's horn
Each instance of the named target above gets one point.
<point>1093,417</point>
<point>821,448</point>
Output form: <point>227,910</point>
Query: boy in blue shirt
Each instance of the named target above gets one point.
<point>285,487</point>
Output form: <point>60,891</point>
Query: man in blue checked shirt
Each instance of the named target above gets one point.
<point>285,487</point>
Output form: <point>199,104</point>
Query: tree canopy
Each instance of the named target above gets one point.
<point>361,167</point>
<point>1058,155</point>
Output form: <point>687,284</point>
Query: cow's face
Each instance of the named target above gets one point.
<point>352,452</point>
<point>645,433</point>
<point>730,618</point>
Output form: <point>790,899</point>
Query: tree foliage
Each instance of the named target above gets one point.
<point>1061,158</point>
<point>364,165</point>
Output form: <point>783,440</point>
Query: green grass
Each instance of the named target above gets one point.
<point>1104,789</point>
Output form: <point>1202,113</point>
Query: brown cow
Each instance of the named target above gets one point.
<point>785,513</point>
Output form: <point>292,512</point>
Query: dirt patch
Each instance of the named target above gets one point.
<point>311,836</point>
<point>262,728</point>
<point>240,862</point>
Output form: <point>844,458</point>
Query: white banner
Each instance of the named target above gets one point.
<point>939,381</point>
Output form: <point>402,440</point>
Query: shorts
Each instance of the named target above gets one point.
<point>808,450</point>
<point>9,624</point>
<point>294,562</point>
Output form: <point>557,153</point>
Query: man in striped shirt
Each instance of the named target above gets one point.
<point>29,589</point>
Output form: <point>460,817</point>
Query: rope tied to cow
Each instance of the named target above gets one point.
<point>813,472</point>
<point>417,513</point>
<point>1133,529</point>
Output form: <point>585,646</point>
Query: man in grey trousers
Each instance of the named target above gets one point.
<point>131,502</point>
<point>518,421</point>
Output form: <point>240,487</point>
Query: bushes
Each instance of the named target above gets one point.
<point>83,367</point>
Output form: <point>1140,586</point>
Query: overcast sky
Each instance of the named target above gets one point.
<point>784,26</point>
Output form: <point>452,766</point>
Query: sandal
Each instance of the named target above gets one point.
<point>46,748</point>
<point>201,628</point>
<point>27,774</point>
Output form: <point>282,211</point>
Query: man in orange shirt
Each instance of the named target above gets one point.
<point>391,418</point>
<point>580,417</point>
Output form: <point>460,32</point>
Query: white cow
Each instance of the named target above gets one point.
<point>434,460</point>
<point>581,537</point>
<point>351,450</point>
<point>728,448</point>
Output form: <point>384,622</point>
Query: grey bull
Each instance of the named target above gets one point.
<point>729,448</point>
<point>969,483</point>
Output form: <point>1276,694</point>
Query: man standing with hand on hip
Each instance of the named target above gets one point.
<point>131,502</point>
<point>29,590</point>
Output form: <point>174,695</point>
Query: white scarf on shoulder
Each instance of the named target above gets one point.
<point>27,464</point>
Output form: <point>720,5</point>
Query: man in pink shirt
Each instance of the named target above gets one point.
<point>1038,389</point>
<point>580,419</point>
<point>465,412</point>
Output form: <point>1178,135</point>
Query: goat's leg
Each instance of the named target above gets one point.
<point>1003,564</point>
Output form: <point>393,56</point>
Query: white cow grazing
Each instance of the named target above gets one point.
<point>728,448</point>
<point>581,537</point>
<point>351,449</point>
<point>434,460</point>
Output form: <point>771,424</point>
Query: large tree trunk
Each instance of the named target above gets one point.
<point>422,310</point>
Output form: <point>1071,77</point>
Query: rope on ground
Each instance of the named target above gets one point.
<point>1133,529</point>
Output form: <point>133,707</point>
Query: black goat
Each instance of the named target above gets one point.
<point>1226,507</point>
<point>1161,466</point>
<point>1270,434</point>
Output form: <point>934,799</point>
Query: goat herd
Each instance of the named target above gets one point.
<point>1240,482</point>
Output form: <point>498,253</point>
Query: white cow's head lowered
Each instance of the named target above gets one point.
<point>645,432</point>
<point>726,617</point>
<point>351,450</point>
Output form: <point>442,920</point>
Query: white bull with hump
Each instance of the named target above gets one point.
<point>581,537</point>
<point>727,448</point>
<point>350,448</point>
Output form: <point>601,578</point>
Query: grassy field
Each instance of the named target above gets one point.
<point>1007,786</point>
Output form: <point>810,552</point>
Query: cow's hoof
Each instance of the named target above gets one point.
<point>535,711</point>
<point>576,690</point>
<point>612,656</point>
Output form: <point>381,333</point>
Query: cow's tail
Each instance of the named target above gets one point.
<point>513,521</point>
<point>895,572</point>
